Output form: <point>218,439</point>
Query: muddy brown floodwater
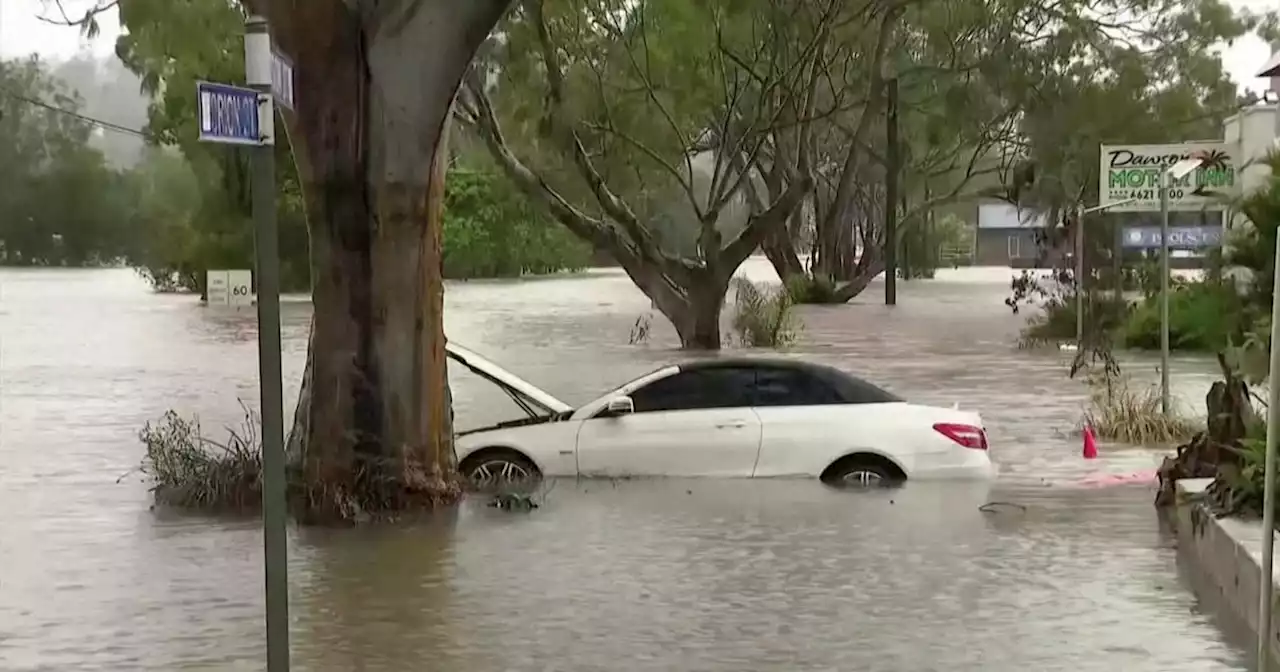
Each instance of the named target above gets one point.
<point>650,575</point>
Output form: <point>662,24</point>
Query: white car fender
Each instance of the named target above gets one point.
<point>902,461</point>
<point>552,447</point>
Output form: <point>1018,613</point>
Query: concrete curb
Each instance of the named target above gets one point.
<point>1226,556</point>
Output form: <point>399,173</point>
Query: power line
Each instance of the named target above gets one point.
<point>104,125</point>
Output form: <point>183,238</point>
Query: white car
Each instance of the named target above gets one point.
<point>724,417</point>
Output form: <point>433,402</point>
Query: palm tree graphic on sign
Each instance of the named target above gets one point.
<point>1210,159</point>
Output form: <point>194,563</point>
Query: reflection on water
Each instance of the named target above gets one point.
<point>645,575</point>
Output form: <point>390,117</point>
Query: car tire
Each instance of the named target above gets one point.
<point>859,474</point>
<point>498,469</point>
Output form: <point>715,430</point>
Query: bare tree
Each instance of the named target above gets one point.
<point>583,54</point>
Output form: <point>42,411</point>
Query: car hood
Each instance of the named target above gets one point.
<point>505,379</point>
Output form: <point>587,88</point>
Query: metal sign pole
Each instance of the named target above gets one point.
<point>258,71</point>
<point>1266,590</point>
<point>1164,291</point>
<point>1080,270</point>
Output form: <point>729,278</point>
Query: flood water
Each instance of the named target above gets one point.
<point>645,575</point>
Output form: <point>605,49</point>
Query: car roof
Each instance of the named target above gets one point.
<point>847,384</point>
<point>756,362</point>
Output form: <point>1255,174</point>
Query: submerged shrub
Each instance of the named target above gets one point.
<point>818,289</point>
<point>1203,316</point>
<point>763,318</point>
<point>188,470</point>
<point>1119,411</point>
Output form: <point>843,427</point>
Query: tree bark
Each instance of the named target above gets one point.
<point>695,311</point>
<point>779,247</point>
<point>372,434</point>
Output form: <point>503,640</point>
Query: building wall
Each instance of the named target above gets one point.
<point>1006,247</point>
<point>1254,128</point>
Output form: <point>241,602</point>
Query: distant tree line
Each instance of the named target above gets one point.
<point>184,207</point>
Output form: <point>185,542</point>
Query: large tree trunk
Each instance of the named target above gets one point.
<point>375,85</point>
<point>694,310</point>
<point>698,323</point>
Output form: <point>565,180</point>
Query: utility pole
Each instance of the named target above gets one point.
<point>1266,589</point>
<point>258,65</point>
<point>892,167</point>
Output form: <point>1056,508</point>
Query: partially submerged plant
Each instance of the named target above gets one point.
<point>808,288</point>
<point>640,330</point>
<point>1120,411</point>
<point>189,470</point>
<point>764,318</point>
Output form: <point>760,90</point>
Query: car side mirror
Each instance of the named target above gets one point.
<point>620,406</point>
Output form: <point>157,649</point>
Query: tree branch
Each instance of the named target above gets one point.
<point>613,206</point>
<point>760,224</point>
<point>486,124</point>
<point>88,24</point>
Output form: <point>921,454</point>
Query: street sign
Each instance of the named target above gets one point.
<point>232,288</point>
<point>215,288</point>
<point>1180,237</point>
<point>229,114</point>
<point>240,288</point>
<point>282,79</point>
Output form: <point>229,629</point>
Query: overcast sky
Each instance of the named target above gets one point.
<point>22,33</point>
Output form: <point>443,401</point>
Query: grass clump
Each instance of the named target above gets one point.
<point>189,470</point>
<point>1119,411</point>
<point>764,318</point>
<point>812,289</point>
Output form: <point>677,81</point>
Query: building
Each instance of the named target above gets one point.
<point>1254,130</point>
<point>1009,236</point>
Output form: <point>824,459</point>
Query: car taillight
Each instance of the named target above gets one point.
<point>965,435</point>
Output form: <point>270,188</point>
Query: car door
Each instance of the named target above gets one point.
<point>694,423</point>
<point>803,419</point>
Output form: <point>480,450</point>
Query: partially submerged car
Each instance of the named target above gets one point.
<point>724,417</point>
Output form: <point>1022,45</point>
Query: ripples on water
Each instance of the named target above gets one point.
<point>647,575</point>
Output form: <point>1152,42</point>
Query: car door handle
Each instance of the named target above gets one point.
<point>736,424</point>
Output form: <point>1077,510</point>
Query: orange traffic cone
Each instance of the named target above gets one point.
<point>1090,444</point>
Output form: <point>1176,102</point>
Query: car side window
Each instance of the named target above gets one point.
<point>790,387</point>
<point>696,389</point>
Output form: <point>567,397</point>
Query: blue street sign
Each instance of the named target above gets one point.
<point>228,114</point>
<point>282,79</point>
<point>1180,237</point>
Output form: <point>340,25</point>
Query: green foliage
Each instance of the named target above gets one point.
<point>641,84</point>
<point>1250,355</point>
<point>1203,316</point>
<point>1056,320</point>
<point>1097,85</point>
<point>763,318</point>
<point>189,470</point>
<point>492,230</point>
<point>926,247</point>
<point>200,214</point>
<point>811,289</point>
<point>1238,487</point>
<point>1254,245</point>
<point>1119,412</point>
<point>62,205</point>
<point>171,46</point>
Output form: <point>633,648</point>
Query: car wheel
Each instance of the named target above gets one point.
<point>489,469</point>
<point>861,475</point>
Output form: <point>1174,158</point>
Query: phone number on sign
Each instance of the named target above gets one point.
<point>1144,194</point>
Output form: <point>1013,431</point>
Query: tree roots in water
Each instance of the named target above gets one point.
<point>190,471</point>
<point>1216,452</point>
